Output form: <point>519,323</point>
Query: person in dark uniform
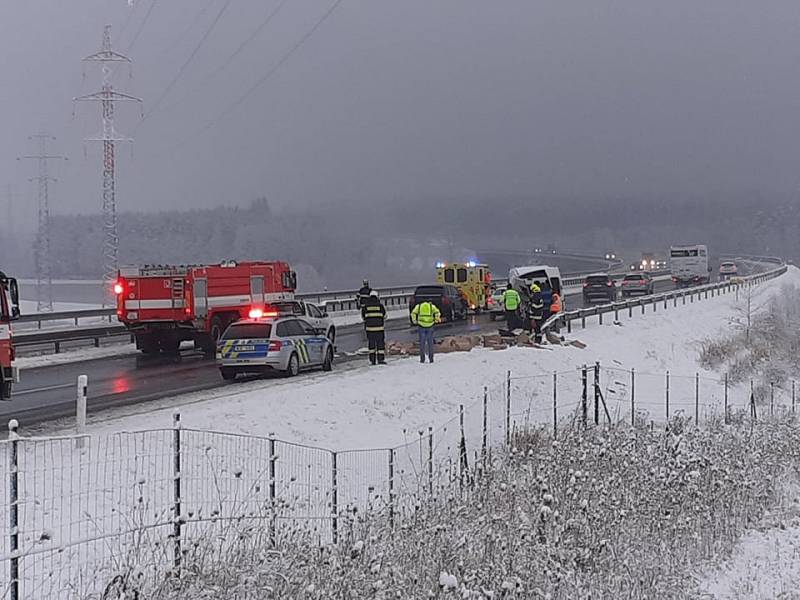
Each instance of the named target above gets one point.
<point>536,312</point>
<point>364,293</point>
<point>374,315</point>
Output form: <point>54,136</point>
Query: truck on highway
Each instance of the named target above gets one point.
<point>9,311</point>
<point>164,305</point>
<point>689,265</point>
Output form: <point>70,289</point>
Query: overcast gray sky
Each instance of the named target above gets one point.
<point>413,98</point>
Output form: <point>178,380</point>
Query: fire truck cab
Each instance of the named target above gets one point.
<point>472,279</point>
<point>166,305</point>
<point>9,311</point>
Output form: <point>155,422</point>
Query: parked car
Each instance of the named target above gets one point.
<point>599,287</point>
<point>637,283</point>
<point>264,344</point>
<point>728,269</point>
<point>447,298</point>
<point>496,308</point>
<point>316,315</point>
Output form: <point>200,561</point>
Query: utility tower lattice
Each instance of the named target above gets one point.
<point>107,98</point>
<point>41,248</point>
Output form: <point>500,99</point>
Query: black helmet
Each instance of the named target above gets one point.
<point>365,283</point>
<point>509,286</point>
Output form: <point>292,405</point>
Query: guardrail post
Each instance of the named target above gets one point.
<point>726,399</point>
<point>667,398</point>
<point>633,397</point>
<point>13,505</point>
<point>584,396</point>
<point>583,319</point>
<point>655,304</point>
<point>642,304</point>
<point>176,489</point>
<point>555,404</point>
<point>391,489</point>
<point>508,409</point>
<point>630,309</point>
<point>793,397</point>
<point>80,412</point>
<point>600,315</point>
<point>334,500</point>
<point>683,298</point>
<point>273,512</point>
<point>616,312</point>
<point>771,398</point>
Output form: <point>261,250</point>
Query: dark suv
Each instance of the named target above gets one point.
<point>599,288</point>
<point>447,298</point>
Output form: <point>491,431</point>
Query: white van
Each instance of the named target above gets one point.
<point>689,265</point>
<point>521,278</point>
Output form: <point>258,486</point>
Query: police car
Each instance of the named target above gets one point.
<point>272,342</point>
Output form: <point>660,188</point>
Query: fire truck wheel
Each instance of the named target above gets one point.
<point>217,329</point>
<point>170,347</point>
<point>148,344</point>
<point>328,364</point>
<point>293,368</point>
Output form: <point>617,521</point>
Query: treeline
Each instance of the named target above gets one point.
<point>337,245</point>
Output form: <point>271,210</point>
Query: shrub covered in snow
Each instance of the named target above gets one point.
<point>619,513</point>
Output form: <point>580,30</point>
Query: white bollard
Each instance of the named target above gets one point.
<point>80,417</point>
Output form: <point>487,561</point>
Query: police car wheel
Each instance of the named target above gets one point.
<point>293,368</point>
<point>332,334</point>
<point>227,374</point>
<point>328,364</point>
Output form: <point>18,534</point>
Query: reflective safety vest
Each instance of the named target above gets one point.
<point>425,314</point>
<point>511,300</point>
<point>555,304</point>
<point>374,316</point>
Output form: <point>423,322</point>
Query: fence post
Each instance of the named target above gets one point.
<point>485,424</point>
<point>771,398</point>
<point>334,499</point>
<point>697,399</point>
<point>462,451</point>
<point>752,402</point>
<point>584,381</point>
<point>633,397</point>
<point>793,397</point>
<point>726,398</point>
<point>597,393</point>
<point>273,512</point>
<point>555,404</point>
<point>391,489</point>
<point>508,409</point>
<point>667,398</point>
<point>176,488</point>
<point>13,497</point>
<point>80,416</point>
<point>430,461</point>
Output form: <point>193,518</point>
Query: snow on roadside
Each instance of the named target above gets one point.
<point>74,355</point>
<point>373,406</point>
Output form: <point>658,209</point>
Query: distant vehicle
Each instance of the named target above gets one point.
<point>316,315</point>
<point>472,279</point>
<point>9,311</point>
<point>551,248</point>
<point>728,269</point>
<point>689,265</point>
<point>164,305</point>
<point>447,298</point>
<point>497,309</point>
<point>611,255</point>
<point>264,344</point>
<point>599,287</point>
<point>637,283</point>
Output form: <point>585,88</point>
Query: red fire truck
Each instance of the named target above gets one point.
<point>166,305</point>
<point>9,310</point>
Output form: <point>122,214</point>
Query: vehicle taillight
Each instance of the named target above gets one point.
<point>275,346</point>
<point>609,283</point>
<point>585,284</point>
<point>445,300</point>
<point>118,288</point>
<point>490,302</point>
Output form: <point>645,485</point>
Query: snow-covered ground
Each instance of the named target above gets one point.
<point>375,406</point>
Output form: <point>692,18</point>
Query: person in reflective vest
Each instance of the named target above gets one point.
<point>511,302</point>
<point>536,312</point>
<point>425,315</point>
<point>374,315</point>
<point>555,307</point>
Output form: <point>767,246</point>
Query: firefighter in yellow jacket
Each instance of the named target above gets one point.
<point>425,315</point>
<point>374,315</point>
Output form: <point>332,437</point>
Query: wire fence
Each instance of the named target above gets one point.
<point>85,515</point>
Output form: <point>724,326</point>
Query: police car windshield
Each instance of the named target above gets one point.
<point>248,331</point>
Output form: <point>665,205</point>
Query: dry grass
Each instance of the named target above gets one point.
<point>614,513</point>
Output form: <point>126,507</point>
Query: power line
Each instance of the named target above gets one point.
<point>191,56</point>
<point>141,25</point>
<point>252,89</point>
<point>177,40</point>
<point>128,19</point>
<point>258,31</point>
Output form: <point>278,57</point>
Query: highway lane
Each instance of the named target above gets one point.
<point>49,392</point>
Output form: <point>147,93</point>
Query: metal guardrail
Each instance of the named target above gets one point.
<point>566,318</point>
